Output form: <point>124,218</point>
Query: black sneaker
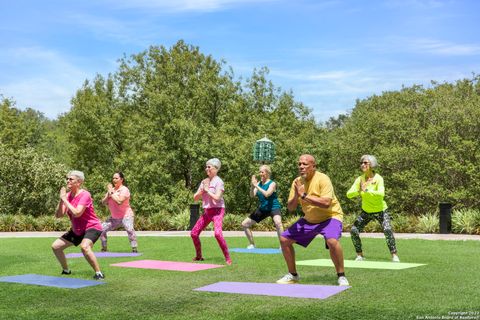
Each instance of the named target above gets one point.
<point>66,272</point>
<point>99,276</point>
<point>134,250</point>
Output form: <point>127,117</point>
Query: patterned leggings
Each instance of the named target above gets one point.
<point>215,215</point>
<point>112,224</point>
<point>363,220</point>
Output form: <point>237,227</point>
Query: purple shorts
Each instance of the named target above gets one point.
<point>303,232</point>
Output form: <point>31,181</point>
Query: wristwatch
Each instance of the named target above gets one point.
<point>304,195</point>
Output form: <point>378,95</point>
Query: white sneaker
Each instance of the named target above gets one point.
<point>342,281</point>
<point>360,258</point>
<point>395,258</point>
<point>251,246</point>
<point>289,279</point>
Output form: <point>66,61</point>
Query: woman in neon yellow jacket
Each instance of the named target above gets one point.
<point>369,186</point>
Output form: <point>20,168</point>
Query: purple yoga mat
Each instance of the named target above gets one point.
<point>273,289</point>
<point>105,254</point>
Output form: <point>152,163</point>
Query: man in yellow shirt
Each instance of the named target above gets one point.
<point>313,190</point>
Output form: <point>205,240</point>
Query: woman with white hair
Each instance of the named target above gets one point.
<point>370,187</point>
<point>211,192</point>
<point>86,228</point>
<point>266,191</point>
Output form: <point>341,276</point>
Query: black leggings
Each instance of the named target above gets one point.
<point>363,220</point>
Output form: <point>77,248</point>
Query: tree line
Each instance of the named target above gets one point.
<point>165,111</point>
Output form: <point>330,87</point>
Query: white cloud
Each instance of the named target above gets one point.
<point>183,5</point>
<point>40,79</point>
<point>443,47</point>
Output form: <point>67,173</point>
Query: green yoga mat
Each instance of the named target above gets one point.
<point>361,264</point>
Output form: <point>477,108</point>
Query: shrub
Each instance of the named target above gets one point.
<point>160,221</point>
<point>348,221</point>
<point>428,223</point>
<point>181,221</point>
<point>466,221</point>
<point>29,182</point>
<point>232,222</point>
<point>404,223</point>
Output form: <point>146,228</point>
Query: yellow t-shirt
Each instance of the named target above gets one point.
<point>319,186</point>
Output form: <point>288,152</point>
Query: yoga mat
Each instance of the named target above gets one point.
<point>361,264</point>
<point>106,254</point>
<point>273,289</point>
<point>48,281</point>
<point>167,265</point>
<point>257,250</point>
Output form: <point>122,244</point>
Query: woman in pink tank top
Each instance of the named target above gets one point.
<point>117,199</point>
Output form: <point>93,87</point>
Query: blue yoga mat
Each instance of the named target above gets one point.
<point>257,250</point>
<point>49,281</point>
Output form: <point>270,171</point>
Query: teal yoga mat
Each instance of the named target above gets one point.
<point>361,264</point>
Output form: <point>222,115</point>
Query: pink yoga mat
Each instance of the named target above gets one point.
<point>167,265</point>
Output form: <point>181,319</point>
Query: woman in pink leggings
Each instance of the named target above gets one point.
<point>211,192</point>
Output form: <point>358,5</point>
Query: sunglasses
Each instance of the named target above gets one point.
<point>70,179</point>
<point>364,162</point>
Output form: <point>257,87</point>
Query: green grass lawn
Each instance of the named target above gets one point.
<point>448,283</point>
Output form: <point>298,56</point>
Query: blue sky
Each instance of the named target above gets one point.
<point>329,53</point>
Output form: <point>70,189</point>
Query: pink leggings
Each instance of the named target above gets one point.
<point>215,215</point>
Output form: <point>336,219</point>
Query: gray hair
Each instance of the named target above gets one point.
<point>371,159</point>
<point>214,162</point>
<point>267,169</point>
<point>78,174</point>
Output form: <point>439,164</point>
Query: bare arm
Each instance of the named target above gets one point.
<point>267,193</point>
<point>322,202</point>
<point>60,212</point>
<point>201,189</point>
<point>65,205</point>
<point>253,186</point>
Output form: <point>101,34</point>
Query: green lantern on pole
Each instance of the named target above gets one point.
<point>264,150</point>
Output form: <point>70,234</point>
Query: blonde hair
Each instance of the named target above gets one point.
<point>266,168</point>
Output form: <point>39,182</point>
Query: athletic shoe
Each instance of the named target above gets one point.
<point>342,281</point>
<point>360,258</point>
<point>251,246</point>
<point>395,258</point>
<point>99,276</point>
<point>134,250</point>
<point>104,249</point>
<point>66,272</point>
<point>289,279</point>
<point>197,259</point>
<point>228,262</point>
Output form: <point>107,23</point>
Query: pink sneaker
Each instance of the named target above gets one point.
<point>229,262</point>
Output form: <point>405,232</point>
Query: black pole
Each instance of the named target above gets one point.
<point>445,217</point>
<point>194,215</point>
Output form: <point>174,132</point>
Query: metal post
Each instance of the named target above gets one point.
<point>194,215</point>
<point>445,217</point>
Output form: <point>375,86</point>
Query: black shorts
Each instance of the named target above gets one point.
<point>91,234</point>
<point>258,215</point>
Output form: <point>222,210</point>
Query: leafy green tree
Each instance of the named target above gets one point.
<point>29,181</point>
<point>426,141</point>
